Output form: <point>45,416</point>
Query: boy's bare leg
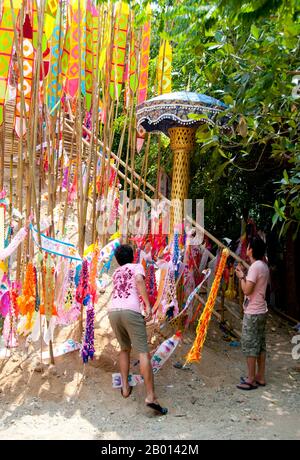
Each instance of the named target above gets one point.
<point>147,373</point>
<point>261,364</point>
<point>124,369</point>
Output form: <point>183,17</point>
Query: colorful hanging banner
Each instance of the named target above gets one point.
<point>54,87</point>
<point>89,56</point>
<point>95,34</point>
<point>28,58</point>
<point>145,56</point>
<point>6,47</point>
<point>77,20</point>
<point>130,77</point>
<point>144,70</point>
<point>119,49</point>
<point>50,17</point>
<point>57,247</point>
<point>65,54</point>
<point>164,68</point>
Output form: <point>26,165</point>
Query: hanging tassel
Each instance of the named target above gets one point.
<point>82,292</point>
<point>88,349</point>
<point>26,302</point>
<point>94,275</point>
<point>230,293</point>
<point>151,284</point>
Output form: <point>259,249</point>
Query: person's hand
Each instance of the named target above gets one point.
<point>148,313</point>
<point>240,273</point>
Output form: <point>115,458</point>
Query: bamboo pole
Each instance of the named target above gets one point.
<point>79,142</point>
<point>2,157</point>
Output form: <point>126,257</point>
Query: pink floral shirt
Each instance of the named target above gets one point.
<point>125,295</point>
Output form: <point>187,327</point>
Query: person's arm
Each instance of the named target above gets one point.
<point>16,241</point>
<point>141,287</point>
<point>246,285</point>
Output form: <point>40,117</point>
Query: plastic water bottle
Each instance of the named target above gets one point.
<point>164,351</point>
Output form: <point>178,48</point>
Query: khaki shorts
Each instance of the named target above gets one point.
<point>254,334</point>
<point>130,329</point>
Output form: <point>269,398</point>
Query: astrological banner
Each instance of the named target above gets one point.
<point>53,246</point>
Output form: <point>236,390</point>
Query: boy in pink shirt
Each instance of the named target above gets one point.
<point>254,286</point>
<point>125,314</point>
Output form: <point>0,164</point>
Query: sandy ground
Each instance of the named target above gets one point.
<point>76,401</point>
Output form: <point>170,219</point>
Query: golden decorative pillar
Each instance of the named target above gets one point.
<point>182,144</point>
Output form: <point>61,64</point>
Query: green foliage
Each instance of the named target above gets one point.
<point>243,53</point>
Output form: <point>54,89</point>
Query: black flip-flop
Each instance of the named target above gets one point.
<point>249,387</point>
<point>158,408</point>
<point>130,391</point>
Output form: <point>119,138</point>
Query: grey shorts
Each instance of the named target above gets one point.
<point>130,329</point>
<point>254,334</point>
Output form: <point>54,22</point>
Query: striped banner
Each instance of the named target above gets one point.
<point>50,17</point>
<point>89,56</point>
<point>130,77</point>
<point>145,55</point>
<point>144,69</point>
<point>28,58</point>
<point>54,84</point>
<point>119,49</point>
<point>72,83</point>
<point>6,46</point>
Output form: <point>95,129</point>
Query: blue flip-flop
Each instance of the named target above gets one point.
<point>249,387</point>
<point>158,408</point>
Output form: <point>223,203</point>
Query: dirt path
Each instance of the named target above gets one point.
<point>73,401</point>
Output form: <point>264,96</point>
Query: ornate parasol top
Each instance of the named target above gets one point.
<point>173,109</point>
